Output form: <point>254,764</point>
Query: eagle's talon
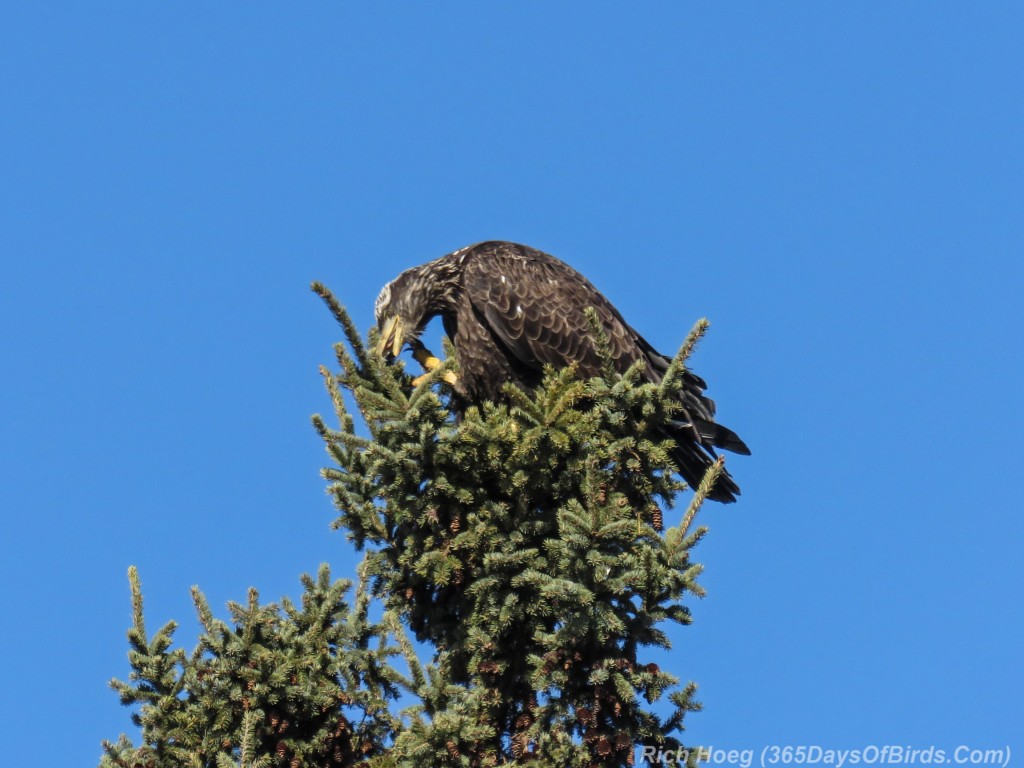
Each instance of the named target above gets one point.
<point>426,358</point>
<point>430,364</point>
<point>448,376</point>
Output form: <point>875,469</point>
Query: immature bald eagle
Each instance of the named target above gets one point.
<point>510,309</point>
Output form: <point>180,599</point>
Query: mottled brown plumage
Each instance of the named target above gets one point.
<point>510,309</point>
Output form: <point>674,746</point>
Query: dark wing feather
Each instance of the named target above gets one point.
<point>535,305</point>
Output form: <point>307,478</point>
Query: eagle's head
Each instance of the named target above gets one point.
<point>412,299</point>
<point>402,310</point>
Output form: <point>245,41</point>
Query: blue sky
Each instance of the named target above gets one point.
<point>838,187</point>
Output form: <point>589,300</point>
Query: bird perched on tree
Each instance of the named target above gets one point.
<point>510,309</point>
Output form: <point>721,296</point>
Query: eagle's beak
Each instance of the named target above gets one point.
<point>391,336</point>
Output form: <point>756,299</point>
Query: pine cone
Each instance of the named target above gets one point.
<point>519,744</point>
<point>455,526</point>
<point>453,749</point>
<point>657,519</point>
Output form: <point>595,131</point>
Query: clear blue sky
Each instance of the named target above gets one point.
<point>839,187</point>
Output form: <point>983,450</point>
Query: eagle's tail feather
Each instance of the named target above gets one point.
<point>696,440</point>
<point>693,462</point>
<point>723,437</point>
<point>710,435</point>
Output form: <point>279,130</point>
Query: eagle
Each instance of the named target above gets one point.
<point>509,310</point>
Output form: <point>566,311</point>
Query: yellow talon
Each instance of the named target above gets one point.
<point>430,363</point>
<point>450,377</point>
<point>426,358</point>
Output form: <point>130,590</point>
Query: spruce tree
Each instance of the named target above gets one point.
<point>309,684</point>
<point>522,544</point>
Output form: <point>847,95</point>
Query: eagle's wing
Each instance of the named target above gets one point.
<point>536,306</point>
